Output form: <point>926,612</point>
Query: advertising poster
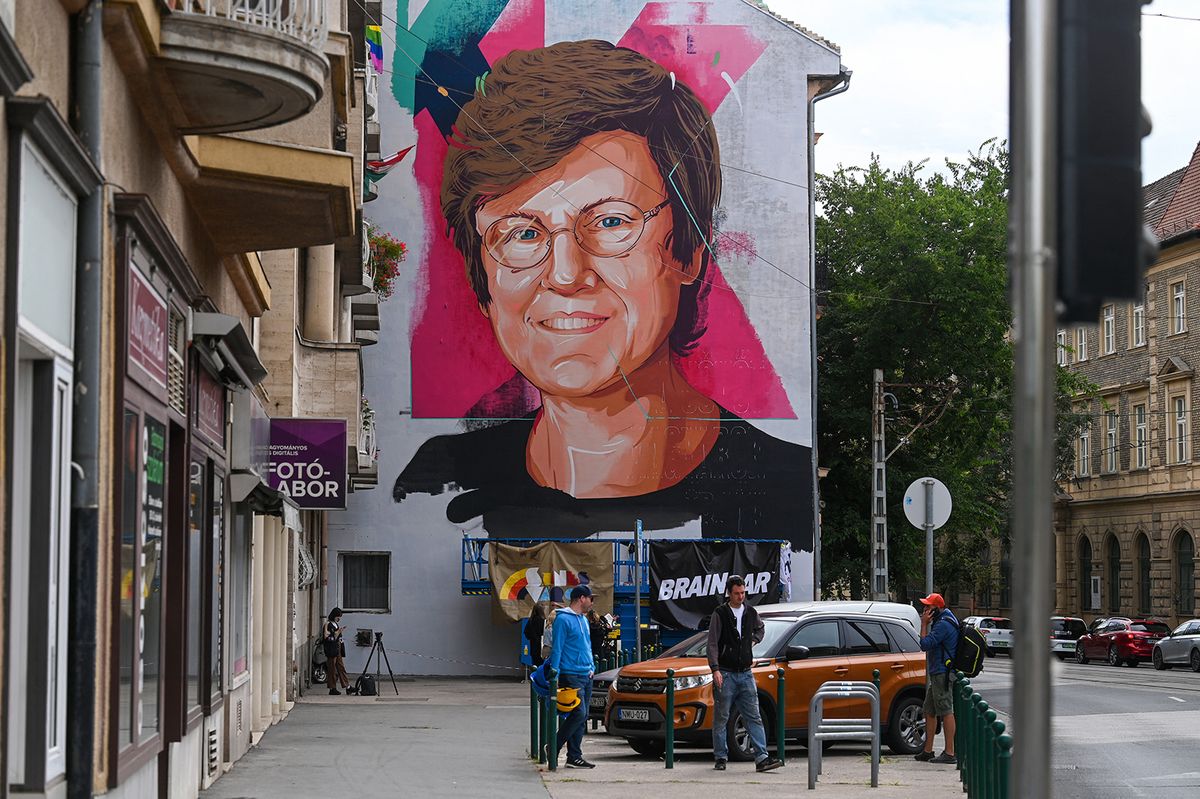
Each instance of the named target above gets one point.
<point>522,576</point>
<point>308,462</point>
<point>688,580</point>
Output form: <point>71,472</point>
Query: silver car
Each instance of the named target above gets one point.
<point>1181,647</point>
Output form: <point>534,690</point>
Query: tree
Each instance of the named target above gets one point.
<point>916,285</point>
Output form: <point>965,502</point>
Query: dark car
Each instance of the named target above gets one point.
<point>1120,640</point>
<point>1064,632</point>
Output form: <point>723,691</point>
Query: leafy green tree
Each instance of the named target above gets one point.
<point>916,280</point>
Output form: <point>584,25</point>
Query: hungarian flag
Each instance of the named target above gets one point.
<point>375,47</point>
<point>376,170</point>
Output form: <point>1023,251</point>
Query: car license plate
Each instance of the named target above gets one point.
<point>1001,643</point>
<point>633,714</point>
<point>599,701</point>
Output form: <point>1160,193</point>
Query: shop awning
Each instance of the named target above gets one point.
<point>247,488</point>
<point>224,344</point>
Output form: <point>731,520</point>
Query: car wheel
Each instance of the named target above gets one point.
<point>1113,659</point>
<point>319,675</point>
<point>647,747</point>
<point>1195,660</point>
<point>1157,658</point>
<point>738,736</point>
<point>906,727</point>
<point>1079,653</point>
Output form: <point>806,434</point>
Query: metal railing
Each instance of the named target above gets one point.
<point>822,729</point>
<point>984,750</point>
<point>306,20</point>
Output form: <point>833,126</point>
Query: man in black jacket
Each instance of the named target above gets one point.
<point>732,633</point>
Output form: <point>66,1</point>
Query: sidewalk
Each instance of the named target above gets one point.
<point>459,738</point>
<point>846,773</point>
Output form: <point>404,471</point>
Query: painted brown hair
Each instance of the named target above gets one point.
<point>534,109</point>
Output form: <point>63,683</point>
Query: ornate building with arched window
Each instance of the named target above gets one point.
<point>1126,520</point>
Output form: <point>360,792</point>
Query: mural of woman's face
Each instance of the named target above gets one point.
<point>576,322</point>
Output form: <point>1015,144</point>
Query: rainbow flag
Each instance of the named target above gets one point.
<point>375,47</point>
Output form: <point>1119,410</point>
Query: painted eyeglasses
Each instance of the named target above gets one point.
<point>606,229</point>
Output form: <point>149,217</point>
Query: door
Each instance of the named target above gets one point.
<point>868,649</point>
<point>825,662</point>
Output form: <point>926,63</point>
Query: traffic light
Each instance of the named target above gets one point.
<point>1103,245</point>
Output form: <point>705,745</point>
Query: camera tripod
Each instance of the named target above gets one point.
<point>379,652</point>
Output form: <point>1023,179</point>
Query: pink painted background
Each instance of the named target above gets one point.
<point>457,367</point>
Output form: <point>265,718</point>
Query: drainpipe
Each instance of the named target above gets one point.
<point>86,103</point>
<point>840,85</point>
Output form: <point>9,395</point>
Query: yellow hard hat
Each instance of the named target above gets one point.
<point>568,699</point>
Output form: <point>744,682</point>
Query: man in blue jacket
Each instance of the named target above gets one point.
<point>939,640</point>
<point>571,659</point>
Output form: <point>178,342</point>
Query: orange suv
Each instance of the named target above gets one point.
<point>812,649</point>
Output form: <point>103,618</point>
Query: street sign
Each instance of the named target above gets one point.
<point>914,503</point>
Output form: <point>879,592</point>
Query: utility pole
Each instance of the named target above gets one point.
<point>879,535</point>
<point>1032,266</point>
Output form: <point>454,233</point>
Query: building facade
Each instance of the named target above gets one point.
<point>685,127</point>
<point>185,266</point>
<point>1126,523</point>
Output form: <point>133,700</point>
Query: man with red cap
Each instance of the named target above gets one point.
<point>939,639</point>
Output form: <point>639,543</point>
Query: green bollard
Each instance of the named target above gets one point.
<point>670,722</point>
<point>975,717</point>
<point>1004,761</point>
<point>997,731</point>
<point>961,696</point>
<point>552,724</point>
<point>780,716</point>
<point>989,753</point>
<point>534,719</point>
<point>875,678</point>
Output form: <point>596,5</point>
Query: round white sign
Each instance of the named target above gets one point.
<point>914,502</point>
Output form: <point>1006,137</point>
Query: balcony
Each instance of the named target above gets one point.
<point>364,470</point>
<point>237,65</point>
<point>364,311</point>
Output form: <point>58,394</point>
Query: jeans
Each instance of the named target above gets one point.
<point>571,726</point>
<point>738,687</point>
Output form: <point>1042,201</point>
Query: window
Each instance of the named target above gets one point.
<point>1083,454</point>
<point>1185,574</point>
<point>1109,329</point>
<point>820,637</point>
<point>1006,574</point>
<point>239,592</point>
<point>903,639</point>
<point>1143,570</point>
<point>1140,450</point>
<point>1060,347</point>
<point>1081,344</point>
<point>1110,441</point>
<point>195,577</point>
<point>1113,556</point>
<point>1138,324</point>
<point>866,638</point>
<point>1178,308</point>
<point>1085,574</point>
<point>216,583</point>
<point>365,582</point>
<point>985,585</point>
<point>1179,415</point>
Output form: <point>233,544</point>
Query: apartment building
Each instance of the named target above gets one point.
<point>1126,523</point>
<point>186,294</point>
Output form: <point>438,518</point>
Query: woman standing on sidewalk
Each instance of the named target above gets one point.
<point>335,653</point>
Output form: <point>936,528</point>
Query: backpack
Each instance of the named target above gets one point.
<point>365,686</point>
<point>969,654</point>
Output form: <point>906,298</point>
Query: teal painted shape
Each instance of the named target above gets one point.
<point>450,27</point>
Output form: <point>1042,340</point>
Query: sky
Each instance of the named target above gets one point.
<point>931,79</point>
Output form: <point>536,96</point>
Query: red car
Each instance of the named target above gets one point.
<point>1119,640</point>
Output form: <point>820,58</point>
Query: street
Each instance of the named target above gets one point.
<point>1117,732</point>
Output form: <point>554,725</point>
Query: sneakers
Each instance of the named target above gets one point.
<point>769,764</point>
<point>579,762</point>
<point>945,757</point>
<point>923,756</point>
<point>719,765</point>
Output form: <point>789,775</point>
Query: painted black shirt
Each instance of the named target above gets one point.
<point>751,485</point>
